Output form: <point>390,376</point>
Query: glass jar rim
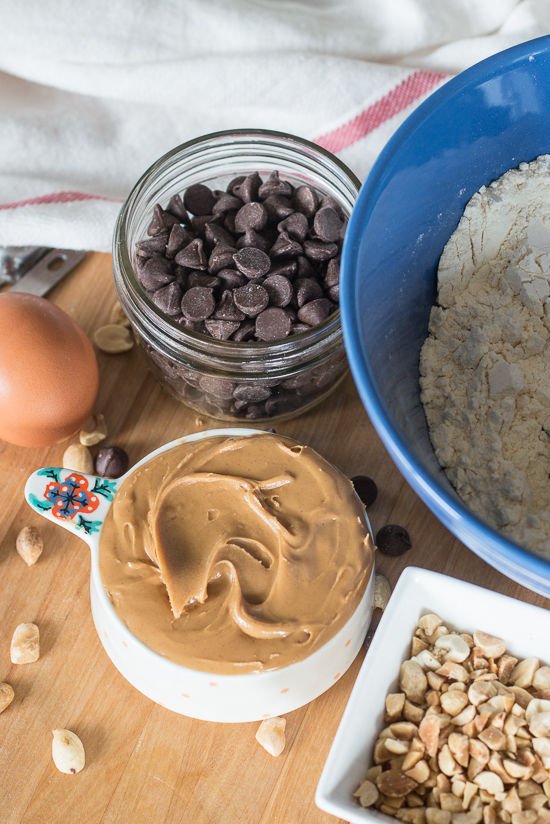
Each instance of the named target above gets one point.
<point>172,331</point>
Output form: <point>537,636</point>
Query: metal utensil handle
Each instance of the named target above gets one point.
<point>49,270</point>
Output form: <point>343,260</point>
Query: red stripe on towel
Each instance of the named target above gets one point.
<point>56,197</point>
<point>387,107</point>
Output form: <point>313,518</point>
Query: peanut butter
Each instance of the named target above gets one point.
<point>235,554</point>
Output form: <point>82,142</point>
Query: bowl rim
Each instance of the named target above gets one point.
<point>452,512</point>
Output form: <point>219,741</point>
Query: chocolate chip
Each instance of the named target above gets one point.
<point>229,221</point>
<point>251,216</point>
<point>295,225</point>
<point>251,299</point>
<point>193,255</point>
<point>332,276</point>
<point>111,462</point>
<point>193,325</point>
<point>327,224</point>
<point>154,273</point>
<point>168,298</point>
<point>221,257</point>
<point>252,262</point>
<point>273,324</point>
<point>214,233</point>
<point>178,240</point>
<point>279,290</point>
<point>316,311</point>
<point>251,393</point>
<point>248,189</point>
<point>245,331</point>
<point>285,247</point>
<point>305,290</point>
<point>161,222</point>
<point>252,238</point>
<point>226,203</point>
<point>305,200</point>
<point>317,250</point>
<point>255,411</point>
<point>275,186</point>
<point>365,488</point>
<point>277,208</point>
<point>199,200</point>
<point>305,269</point>
<point>180,275</point>
<point>287,268</point>
<point>393,540</point>
<point>328,200</point>
<point>231,278</point>
<point>198,303</point>
<point>196,278</point>
<point>234,184</point>
<point>221,329</point>
<point>219,387</point>
<point>200,222</point>
<point>281,403</point>
<point>176,207</point>
<point>226,309</point>
<point>153,246</point>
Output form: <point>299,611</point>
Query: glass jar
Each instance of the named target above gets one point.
<point>225,379</point>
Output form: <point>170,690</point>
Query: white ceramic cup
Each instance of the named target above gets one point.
<point>80,503</point>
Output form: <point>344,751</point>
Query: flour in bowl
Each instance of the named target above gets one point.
<point>485,367</point>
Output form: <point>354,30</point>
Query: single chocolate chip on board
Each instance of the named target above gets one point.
<point>366,489</point>
<point>111,462</point>
<point>393,540</point>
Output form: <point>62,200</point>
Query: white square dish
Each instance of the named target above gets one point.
<point>462,606</point>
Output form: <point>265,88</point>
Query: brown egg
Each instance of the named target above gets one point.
<point>48,372</point>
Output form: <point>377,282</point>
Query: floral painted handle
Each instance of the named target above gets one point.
<point>76,501</point>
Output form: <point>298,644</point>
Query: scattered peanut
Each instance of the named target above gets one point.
<point>78,458</point>
<point>118,315</point>
<point>113,338</point>
<point>468,740</point>
<point>271,735</point>
<point>29,544</point>
<point>25,644</point>
<point>94,431</point>
<point>6,696</point>
<point>67,751</point>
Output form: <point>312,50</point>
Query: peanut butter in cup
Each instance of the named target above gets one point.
<point>236,554</point>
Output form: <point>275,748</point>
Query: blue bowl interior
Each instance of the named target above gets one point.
<point>468,133</point>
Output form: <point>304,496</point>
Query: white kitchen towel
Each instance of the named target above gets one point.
<point>92,94</point>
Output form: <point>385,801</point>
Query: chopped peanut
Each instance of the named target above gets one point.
<point>468,740</point>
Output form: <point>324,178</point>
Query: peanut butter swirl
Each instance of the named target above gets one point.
<point>233,555</point>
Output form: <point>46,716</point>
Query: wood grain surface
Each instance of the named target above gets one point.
<point>145,764</point>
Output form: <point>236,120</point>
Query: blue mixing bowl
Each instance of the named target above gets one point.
<point>486,120</point>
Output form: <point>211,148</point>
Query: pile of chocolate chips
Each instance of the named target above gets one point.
<point>259,261</point>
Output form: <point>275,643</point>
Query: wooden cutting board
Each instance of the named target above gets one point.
<point>145,764</point>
